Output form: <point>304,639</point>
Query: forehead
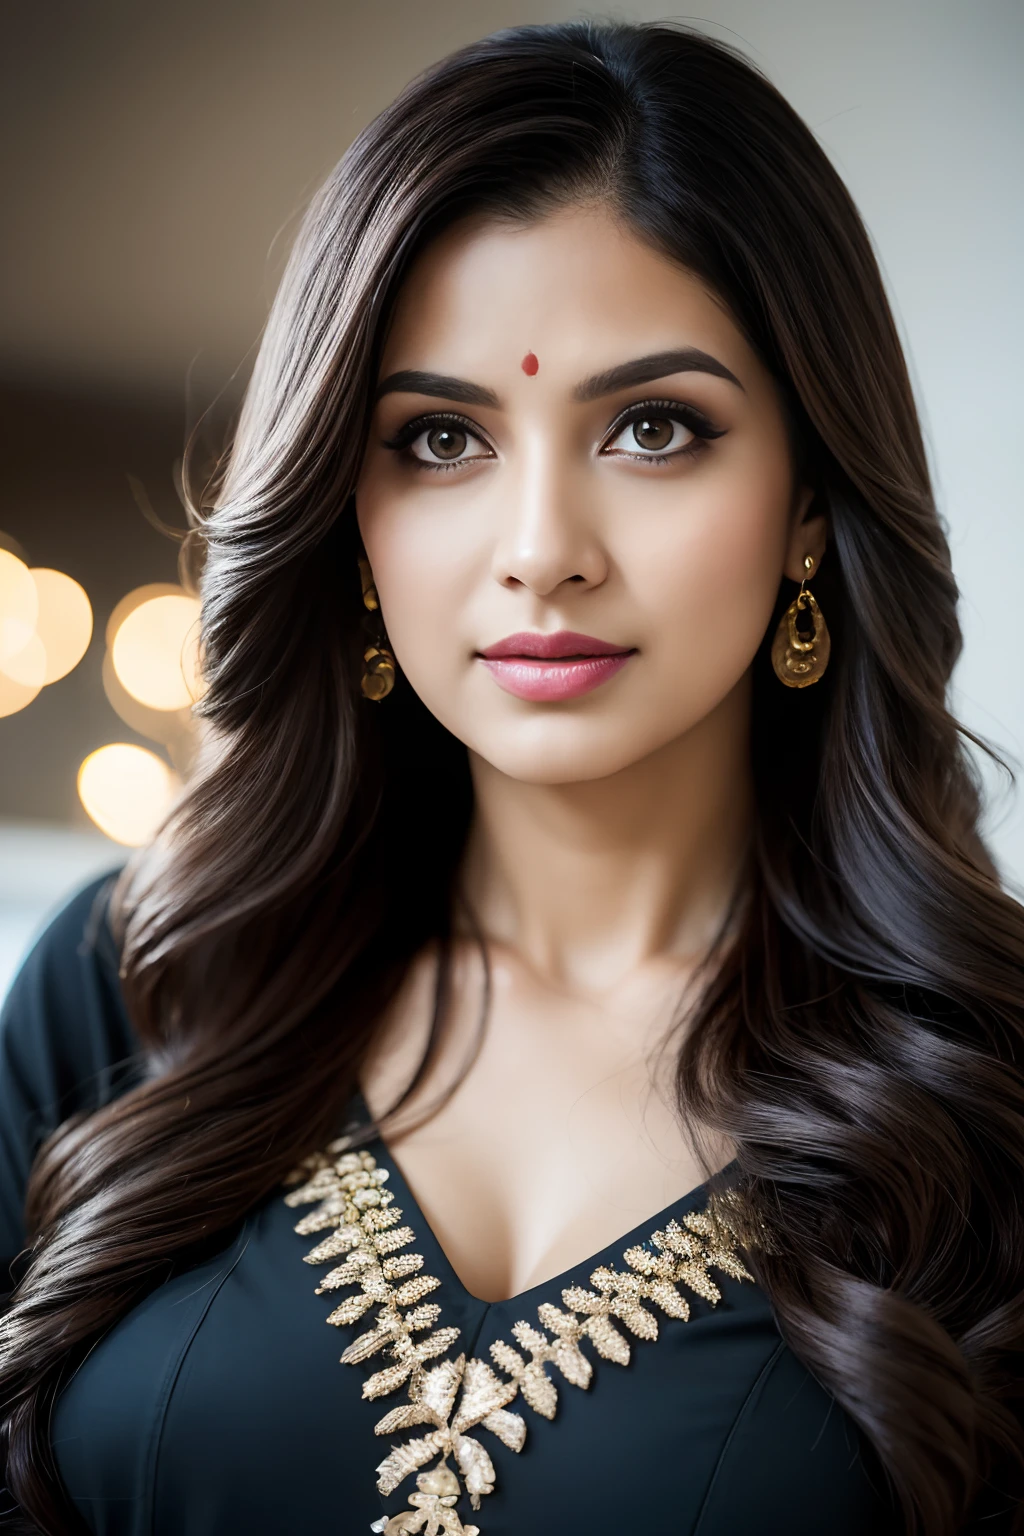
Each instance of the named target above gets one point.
<point>569,287</point>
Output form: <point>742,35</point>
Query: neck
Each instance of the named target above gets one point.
<point>592,880</point>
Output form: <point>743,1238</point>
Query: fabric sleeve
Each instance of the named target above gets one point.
<point>66,1045</point>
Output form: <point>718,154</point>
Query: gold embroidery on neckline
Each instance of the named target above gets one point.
<point>348,1189</point>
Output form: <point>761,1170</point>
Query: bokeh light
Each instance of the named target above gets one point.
<point>14,695</point>
<point>45,628</point>
<point>19,606</point>
<point>134,599</point>
<point>158,724</point>
<point>63,621</point>
<point>175,729</point>
<point>155,650</point>
<point>28,666</point>
<point>126,790</point>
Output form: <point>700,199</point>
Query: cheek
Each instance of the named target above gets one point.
<point>707,575</point>
<point>427,566</point>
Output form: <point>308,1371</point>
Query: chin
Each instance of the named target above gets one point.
<point>543,755</point>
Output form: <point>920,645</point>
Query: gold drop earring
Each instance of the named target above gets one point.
<point>378,677</point>
<point>801,647</point>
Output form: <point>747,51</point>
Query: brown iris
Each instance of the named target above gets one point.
<point>653,431</point>
<point>446,442</point>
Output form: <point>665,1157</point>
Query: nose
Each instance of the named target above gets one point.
<point>548,534</point>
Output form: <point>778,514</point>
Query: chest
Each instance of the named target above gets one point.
<point>219,1405</point>
<point>562,1130</point>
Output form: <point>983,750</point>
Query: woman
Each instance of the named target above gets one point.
<point>576,941</point>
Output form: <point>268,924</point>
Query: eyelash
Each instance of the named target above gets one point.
<point>670,410</point>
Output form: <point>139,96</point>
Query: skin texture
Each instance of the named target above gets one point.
<point>609,829</point>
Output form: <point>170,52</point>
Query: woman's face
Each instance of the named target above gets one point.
<point>531,488</point>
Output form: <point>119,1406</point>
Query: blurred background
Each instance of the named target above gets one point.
<point>155,163</point>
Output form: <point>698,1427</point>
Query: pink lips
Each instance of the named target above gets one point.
<point>552,667</point>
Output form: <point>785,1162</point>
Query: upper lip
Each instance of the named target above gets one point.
<point>564,642</point>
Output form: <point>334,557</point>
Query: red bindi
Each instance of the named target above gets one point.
<point>530,363</point>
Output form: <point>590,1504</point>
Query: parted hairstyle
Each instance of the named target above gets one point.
<point>860,1036</point>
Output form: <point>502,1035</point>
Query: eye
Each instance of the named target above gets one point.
<point>660,430</point>
<point>438,442</point>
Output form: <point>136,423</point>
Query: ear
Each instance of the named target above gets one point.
<point>808,535</point>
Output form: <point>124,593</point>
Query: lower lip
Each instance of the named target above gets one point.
<point>533,678</point>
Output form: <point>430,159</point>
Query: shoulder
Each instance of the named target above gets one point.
<point>66,1043</point>
<point>64,1021</point>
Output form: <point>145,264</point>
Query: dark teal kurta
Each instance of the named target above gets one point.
<point>218,1405</point>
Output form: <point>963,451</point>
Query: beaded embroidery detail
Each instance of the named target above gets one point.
<point>455,1396</point>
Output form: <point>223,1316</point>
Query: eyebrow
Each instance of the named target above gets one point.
<point>640,370</point>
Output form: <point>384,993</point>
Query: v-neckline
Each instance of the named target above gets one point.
<point>637,1236</point>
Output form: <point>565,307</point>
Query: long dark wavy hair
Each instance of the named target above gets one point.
<point>861,1035</point>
